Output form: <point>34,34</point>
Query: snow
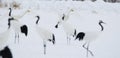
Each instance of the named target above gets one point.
<point>84,18</point>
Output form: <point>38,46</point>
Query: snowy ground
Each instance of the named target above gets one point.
<point>84,18</point>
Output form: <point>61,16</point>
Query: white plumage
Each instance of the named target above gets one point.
<point>16,25</point>
<point>65,16</point>
<point>89,36</point>
<point>5,51</point>
<point>4,37</point>
<point>68,28</point>
<point>18,16</point>
<point>45,34</point>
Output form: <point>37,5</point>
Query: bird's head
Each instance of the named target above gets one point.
<point>100,21</point>
<point>37,17</point>
<point>71,10</point>
<point>28,10</point>
<point>10,9</point>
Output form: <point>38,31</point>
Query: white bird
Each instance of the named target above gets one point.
<point>5,51</point>
<point>16,25</point>
<point>45,34</point>
<point>17,16</point>
<point>88,37</point>
<point>68,28</point>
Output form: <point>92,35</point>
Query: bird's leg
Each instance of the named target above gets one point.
<point>15,38</point>
<point>44,48</point>
<point>15,41</point>
<point>89,50</point>
<point>85,48</point>
<point>18,38</point>
<point>68,40</point>
<point>44,45</point>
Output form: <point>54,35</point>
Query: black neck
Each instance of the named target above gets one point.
<point>37,19</point>
<point>10,11</point>
<point>102,28</point>
<point>63,17</point>
<point>9,22</point>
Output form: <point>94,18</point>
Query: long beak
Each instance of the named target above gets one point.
<point>104,23</point>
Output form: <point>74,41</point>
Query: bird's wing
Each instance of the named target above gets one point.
<point>16,25</point>
<point>91,35</point>
<point>44,33</point>
<point>69,28</point>
<point>4,36</point>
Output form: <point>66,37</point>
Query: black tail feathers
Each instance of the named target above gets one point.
<point>53,39</point>
<point>75,33</point>
<point>6,53</point>
<point>80,36</point>
<point>24,29</point>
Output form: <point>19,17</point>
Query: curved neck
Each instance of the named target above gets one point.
<point>69,12</point>
<point>22,14</point>
<point>102,28</point>
<point>10,11</point>
<point>9,24</point>
<point>37,19</point>
<point>66,16</point>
